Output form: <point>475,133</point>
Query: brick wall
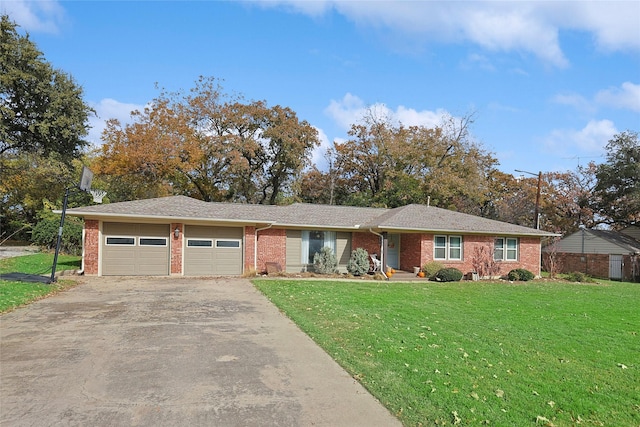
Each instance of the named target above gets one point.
<point>411,251</point>
<point>91,246</point>
<point>417,249</point>
<point>272,247</point>
<point>176,249</point>
<point>367,241</point>
<point>249,247</point>
<point>595,265</point>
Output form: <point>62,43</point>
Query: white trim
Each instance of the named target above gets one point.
<point>238,241</point>
<point>166,241</point>
<point>505,249</point>
<point>447,247</point>
<point>199,239</point>
<point>106,240</point>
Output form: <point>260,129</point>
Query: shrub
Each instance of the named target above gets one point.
<point>431,268</point>
<point>325,261</point>
<point>449,275</point>
<point>45,235</point>
<point>577,276</point>
<point>520,274</point>
<point>359,262</point>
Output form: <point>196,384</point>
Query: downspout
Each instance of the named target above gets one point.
<point>381,252</point>
<point>255,246</point>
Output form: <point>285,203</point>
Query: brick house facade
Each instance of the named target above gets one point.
<point>250,236</point>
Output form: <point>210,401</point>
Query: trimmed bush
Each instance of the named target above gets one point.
<point>45,235</point>
<point>359,262</point>
<point>520,274</point>
<point>577,276</point>
<point>431,268</point>
<point>325,261</point>
<point>449,275</point>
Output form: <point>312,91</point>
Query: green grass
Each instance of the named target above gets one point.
<point>15,294</point>
<point>540,353</point>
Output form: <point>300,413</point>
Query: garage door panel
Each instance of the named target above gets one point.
<point>119,261</point>
<point>148,255</point>
<point>203,256</point>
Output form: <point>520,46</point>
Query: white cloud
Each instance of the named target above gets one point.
<point>317,157</point>
<point>576,101</point>
<point>519,26</point>
<point>347,111</point>
<point>479,61</point>
<point>625,97</point>
<point>614,24</point>
<point>351,110</point>
<point>589,140</point>
<point>34,16</point>
<point>109,109</point>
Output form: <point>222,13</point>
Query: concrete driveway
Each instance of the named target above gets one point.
<point>170,352</point>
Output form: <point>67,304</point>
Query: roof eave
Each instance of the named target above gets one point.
<point>316,226</point>
<point>479,232</point>
<point>186,219</point>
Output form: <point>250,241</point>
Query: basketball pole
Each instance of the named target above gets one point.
<point>55,257</point>
<point>85,185</point>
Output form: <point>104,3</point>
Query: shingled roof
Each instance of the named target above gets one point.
<point>430,218</point>
<point>418,218</point>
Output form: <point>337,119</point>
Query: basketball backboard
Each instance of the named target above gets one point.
<point>85,179</point>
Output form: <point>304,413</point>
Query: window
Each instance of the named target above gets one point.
<point>314,241</point>
<point>447,247</point>
<point>505,249</point>
<point>440,247</point>
<point>121,241</point>
<point>153,241</point>
<point>199,243</point>
<point>227,243</point>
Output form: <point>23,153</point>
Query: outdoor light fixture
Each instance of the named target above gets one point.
<point>176,232</point>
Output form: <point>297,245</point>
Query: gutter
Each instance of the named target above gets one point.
<point>381,252</point>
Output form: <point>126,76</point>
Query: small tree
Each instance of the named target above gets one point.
<point>325,261</point>
<point>483,262</point>
<point>359,262</point>
<point>551,260</point>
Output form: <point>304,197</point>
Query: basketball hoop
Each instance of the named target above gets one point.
<point>97,195</point>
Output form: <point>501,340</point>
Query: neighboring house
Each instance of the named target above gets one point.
<point>184,236</point>
<point>599,253</point>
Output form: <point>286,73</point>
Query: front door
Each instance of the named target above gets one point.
<point>393,251</point>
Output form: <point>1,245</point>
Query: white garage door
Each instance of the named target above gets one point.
<point>135,249</point>
<point>212,250</point>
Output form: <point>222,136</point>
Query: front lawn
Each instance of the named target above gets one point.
<point>478,353</point>
<point>14,293</point>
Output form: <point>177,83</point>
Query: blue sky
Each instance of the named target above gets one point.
<point>549,82</point>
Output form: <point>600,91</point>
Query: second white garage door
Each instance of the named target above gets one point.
<point>212,250</point>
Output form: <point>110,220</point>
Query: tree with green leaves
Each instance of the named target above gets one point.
<point>42,108</point>
<point>617,192</point>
